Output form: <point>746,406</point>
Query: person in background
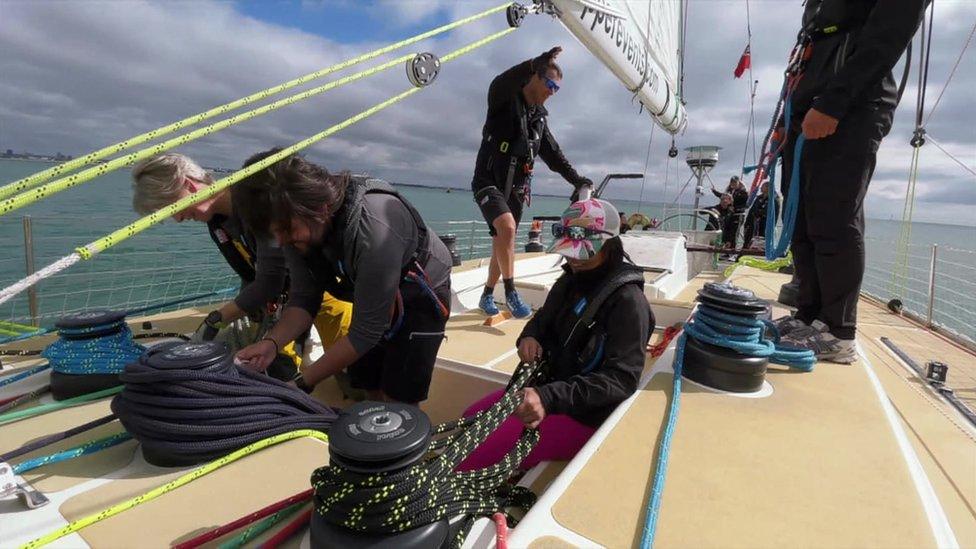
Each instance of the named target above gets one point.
<point>624,227</point>
<point>162,180</point>
<point>720,219</point>
<point>591,369</point>
<point>844,106</point>
<point>358,239</point>
<point>756,218</point>
<point>740,198</point>
<point>516,131</point>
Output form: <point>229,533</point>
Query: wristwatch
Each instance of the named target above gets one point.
<point>299,381</point>
<point>212,325</point>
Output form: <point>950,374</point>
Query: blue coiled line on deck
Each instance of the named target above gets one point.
<point>742,334</point>
<point>75,354</point>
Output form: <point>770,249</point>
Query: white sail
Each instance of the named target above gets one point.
<point>639,42</point>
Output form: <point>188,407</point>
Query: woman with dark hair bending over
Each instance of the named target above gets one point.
<point>592,333</point>
<point>364,243</point>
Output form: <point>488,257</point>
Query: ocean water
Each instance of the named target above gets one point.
<point>171,261</point>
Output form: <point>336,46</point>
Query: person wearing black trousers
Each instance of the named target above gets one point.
<point>844,105</point>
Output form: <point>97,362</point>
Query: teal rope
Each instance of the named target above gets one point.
<point>664,451</point>
<point>13,378</point>
<point>741,334</point>
<point>106,354</point>
<point>78,451</point>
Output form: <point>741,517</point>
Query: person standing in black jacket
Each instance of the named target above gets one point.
<point>740,198</point>
<point>592,333</point>
<point>756,218</point>
<point>844,105</point>
<point>515,133</point>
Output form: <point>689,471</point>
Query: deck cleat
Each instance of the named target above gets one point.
<point>12,484</point>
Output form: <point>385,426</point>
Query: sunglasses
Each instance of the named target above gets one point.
<point>576,233</point>
<point>553,87</point>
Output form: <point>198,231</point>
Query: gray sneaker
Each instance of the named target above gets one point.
<point>789,326</point>
<point>826,347</point>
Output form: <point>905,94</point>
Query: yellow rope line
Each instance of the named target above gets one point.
<point>101,244</point>
<point>172,485</point>
<point>35,195</point>
<point>899,274</point>
<point>55,171</point>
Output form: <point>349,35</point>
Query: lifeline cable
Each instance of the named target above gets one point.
<point>50,173</point>
<point>170,486</point>
<point>187,299</point>
<point>430,490</point>
<point>191,414</point>
<point>102,244</point>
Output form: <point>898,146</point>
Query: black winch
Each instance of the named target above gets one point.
<point>79,331</point>
<point>720,367</point>
<point>378,438</point>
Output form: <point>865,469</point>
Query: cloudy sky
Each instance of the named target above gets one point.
<point>79,75</point>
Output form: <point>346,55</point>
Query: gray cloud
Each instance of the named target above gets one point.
<point>80,75</point>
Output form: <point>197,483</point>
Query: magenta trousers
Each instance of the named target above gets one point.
<point>560,437</point>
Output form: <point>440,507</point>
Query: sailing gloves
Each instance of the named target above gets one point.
<point>582,182</point>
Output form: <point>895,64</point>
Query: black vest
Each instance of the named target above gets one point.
<point>238,250</point>
<point>333,266</point>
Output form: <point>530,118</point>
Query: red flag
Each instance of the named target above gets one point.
<point>744,63</point>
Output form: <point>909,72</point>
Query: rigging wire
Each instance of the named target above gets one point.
<point>947,153</point>
<point>647,160</point>
<point>899,273</point>
<point>952,73</point>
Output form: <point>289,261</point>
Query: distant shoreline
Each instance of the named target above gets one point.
<point>465,189</point>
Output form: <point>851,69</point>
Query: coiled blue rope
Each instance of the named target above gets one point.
<point>746,335</point>
<point>741,334</point>
<point>101,354</point>
<point>82,450</point>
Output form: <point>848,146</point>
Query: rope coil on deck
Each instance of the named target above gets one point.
<point>188,403</point>
<point>430,490</point>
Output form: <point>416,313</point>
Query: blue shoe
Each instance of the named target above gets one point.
<point>516,305</point>
<point>487,304</point>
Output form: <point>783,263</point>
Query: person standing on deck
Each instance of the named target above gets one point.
<point>161,180</point>
<point>359,239</point>
<point>756,218</point>
<point>844,105</point>
<point>515,132</point>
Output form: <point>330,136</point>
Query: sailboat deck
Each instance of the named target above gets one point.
<point>816,463</point>
<point>817,460</point>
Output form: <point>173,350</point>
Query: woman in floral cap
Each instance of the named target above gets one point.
<point>591,333</point>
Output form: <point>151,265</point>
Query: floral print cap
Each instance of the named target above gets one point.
<point>584,227</point>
